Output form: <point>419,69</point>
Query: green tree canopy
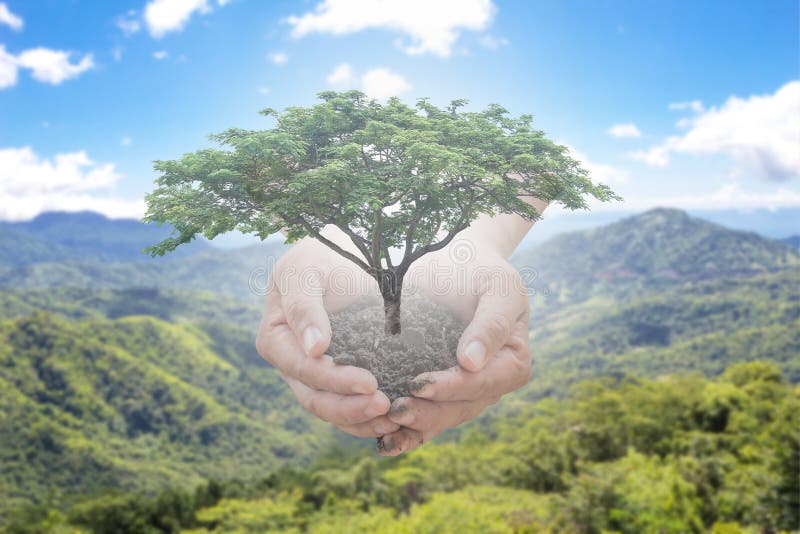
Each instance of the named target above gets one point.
<point>386,175</point>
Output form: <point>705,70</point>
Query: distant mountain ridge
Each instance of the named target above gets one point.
<point>645,253</point>
<point>85,235</point>
<point>657,249</point>
<point>792,241</point>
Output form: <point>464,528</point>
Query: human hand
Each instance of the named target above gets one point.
<point>493,352</point>
<point>306,284</point>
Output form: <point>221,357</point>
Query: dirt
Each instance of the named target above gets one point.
<point>427,342</point>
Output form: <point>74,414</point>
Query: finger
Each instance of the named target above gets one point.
<point>403,440</point>
<point>433,416</point>
<point>301,300</point>
<point>278,345</point>
<point>341,410</point>
<point>380,426</point>
<point>496,314</point>
<point>508,370</point>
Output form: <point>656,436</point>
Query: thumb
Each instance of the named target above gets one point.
<point>490,328</point>
<point>305,313</point>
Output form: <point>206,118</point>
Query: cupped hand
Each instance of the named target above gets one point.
<point>493,352</point>
<point>307,283</point>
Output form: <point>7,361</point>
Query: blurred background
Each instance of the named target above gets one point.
<point>664,328</point>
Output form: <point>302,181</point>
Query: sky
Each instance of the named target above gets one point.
<point>689,104</point>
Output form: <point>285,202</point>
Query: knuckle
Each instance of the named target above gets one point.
<point>484,385</point>
<point>465,413</point>
<point>300,370</point>
<point>294,308</point>
<point>313,405</point>
<point>522,374</point>
<point>497,326</point>
<point>262,346</point>
<point>351,418</point>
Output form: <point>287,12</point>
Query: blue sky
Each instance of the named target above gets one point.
<point>690,104</point>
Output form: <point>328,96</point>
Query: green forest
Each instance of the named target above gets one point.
<point>664,397</point>
<point>677,454</point>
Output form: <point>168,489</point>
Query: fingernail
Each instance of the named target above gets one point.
<point>476,354</point>
<point>401,413</point>
<point>385,444</point>
<point>398,408</point>
<point>311,336</point>
<point>422,387</point>
<point>425,392</point>
<point>376,406</point>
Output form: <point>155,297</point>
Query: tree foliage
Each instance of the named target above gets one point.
<point>385,175</point>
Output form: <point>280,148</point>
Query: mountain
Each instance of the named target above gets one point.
<point>678,454</point>
<point>59,236</point>
<point>137,404</point>
<point>773,224</point>
<point>792,241</point>
<point>702,327</point>
<point>647,253</point>
<point>139,375</point>
<point>239,273</point>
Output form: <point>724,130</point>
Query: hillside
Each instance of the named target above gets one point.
<point>659,249</point>
<point>166,304</point>
<point>137,403</point>
<point>681,454</point>
<point>60,236</point>
<point>239,273</point>
<point>698,327</point>
<point>137,376</point>
<point>657,294</point>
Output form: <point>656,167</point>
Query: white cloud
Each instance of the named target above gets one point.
<point>600,172</point>
<point>491,42</point>
<point>23,172</point>
<point>8,18</point>
<point>129,23</point>
<point>732,196</point>
<point>431,27</point>
<point>160,54</point>
<point>126,141</point>
<point>30,184</point>
<point>116,53</point>
<point>692,105</point>
<point>165,16</point>
<point>627,129</point>
<point>728,197</point>
<point>342,75</point>
<point>263,90</point>
<point>761,132</point>
<point>382,83</point>
<point>8,69</point>
<point>279,58</point>
<point>53,66</point>
<point>657,156</point>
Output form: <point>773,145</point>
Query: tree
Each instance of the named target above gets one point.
<point>385,175</point>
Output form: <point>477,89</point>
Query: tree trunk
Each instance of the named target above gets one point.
<point>391,290</point>
<point>391,313</point>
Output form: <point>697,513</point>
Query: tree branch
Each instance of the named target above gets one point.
<point>376,236</point>
<point>462,224</point>
<point>358,241</point>
<point>336,248</point>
